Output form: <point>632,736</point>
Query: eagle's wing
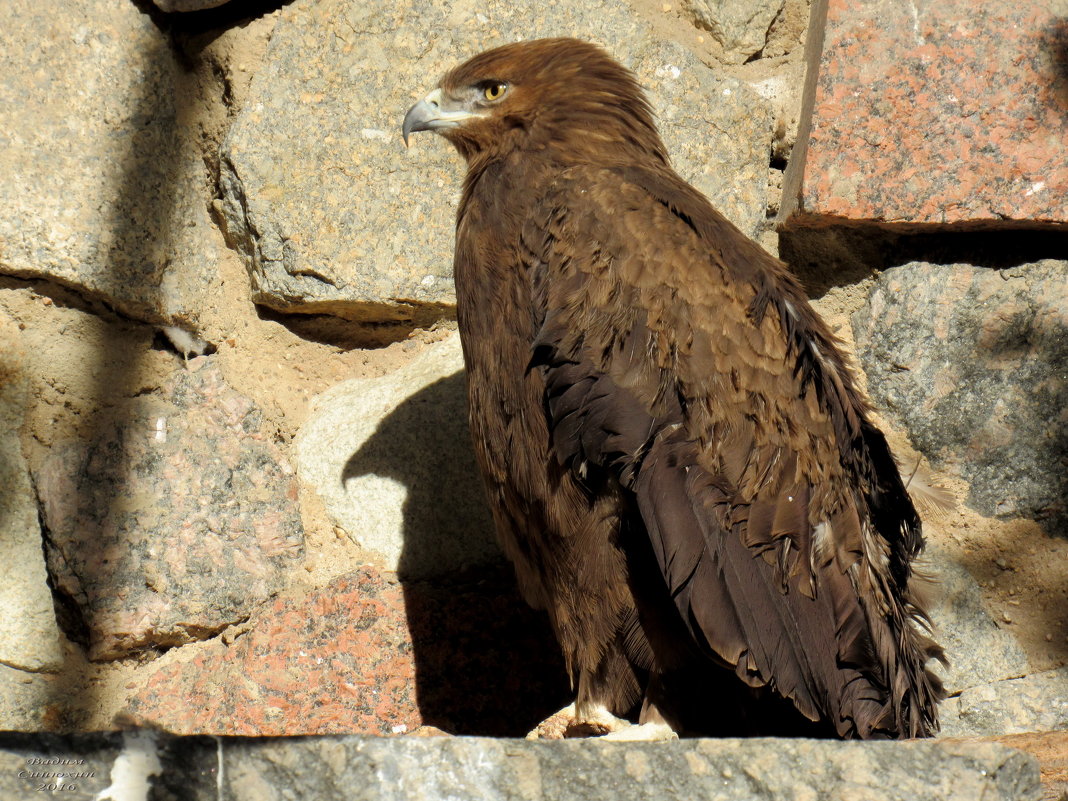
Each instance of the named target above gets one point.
<point>682,362</point>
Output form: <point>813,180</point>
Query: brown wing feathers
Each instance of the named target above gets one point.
<point>762,615</point>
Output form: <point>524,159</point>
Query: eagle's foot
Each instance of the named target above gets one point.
<point>554,726</point>
<point>595,721</point>
<point>648,732</point>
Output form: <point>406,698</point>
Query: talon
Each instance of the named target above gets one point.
<point>555,726</point>
<point>594,721</point>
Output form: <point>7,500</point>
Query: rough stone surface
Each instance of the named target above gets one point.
<point>98,188</point>
<point>1038,702</point>
<point>339,660</point>
<point>974,363</point>
<point>391,457</point>
<point>29,636</point>
<point>365,655</point>
<point>707,769</point>
<point>928,112</point>
<point>741,27</point>
<point>375,769</point>
<point>336,217</point>
<point>25,699</point>
<point>175,520</point>
<point>1051,750</point>
<point>979,652</point>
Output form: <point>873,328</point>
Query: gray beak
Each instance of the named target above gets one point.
<point>432,114</point>
<point>420,117</point>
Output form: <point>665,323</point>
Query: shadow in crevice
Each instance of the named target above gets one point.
<point>486,663</point>
<point>215,21</point>
<point>837,255</point>
<point>345,334</point>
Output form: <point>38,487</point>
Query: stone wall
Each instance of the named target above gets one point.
<point>236,492</point>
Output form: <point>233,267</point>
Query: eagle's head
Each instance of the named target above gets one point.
<point>563,95</point>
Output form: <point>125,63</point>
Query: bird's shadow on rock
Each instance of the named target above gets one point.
<point>485,662</point>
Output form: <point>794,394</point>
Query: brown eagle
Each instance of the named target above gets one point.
<point>679,462</point>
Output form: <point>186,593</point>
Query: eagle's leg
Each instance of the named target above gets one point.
<point>652,723</point>
<point>593,720</point>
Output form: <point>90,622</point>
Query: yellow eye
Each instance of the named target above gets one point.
<point>494,91</point>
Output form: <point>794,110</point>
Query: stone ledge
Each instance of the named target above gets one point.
<point>366,768</point>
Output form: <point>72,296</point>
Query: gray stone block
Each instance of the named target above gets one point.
<point>391,458</point>
<point>24,700</point>
<point>741,26</point>
<point>1038,702</point>
<point>332,213</point>
<point>29,636</point>
<point>174,520</point>
<point>102,187</point>
<point>478,769</point>
<point>979,651</point>
<point>31,765</point>
<point>971,361</point>
<point>718,770</point>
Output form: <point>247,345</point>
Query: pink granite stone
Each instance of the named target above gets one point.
<point>937,111</point>
<point>174,519</point>
<point>366,655</point>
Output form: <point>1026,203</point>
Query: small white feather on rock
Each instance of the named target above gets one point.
<point>185,343</point>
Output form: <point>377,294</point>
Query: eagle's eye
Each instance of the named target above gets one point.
<point>494,90</point>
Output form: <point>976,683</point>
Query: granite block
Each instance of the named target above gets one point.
<point>368,655</point>
<point>936,112</point>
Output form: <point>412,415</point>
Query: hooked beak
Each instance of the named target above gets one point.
<point>433,113</point>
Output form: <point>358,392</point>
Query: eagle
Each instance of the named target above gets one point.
<point>679,461</point>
